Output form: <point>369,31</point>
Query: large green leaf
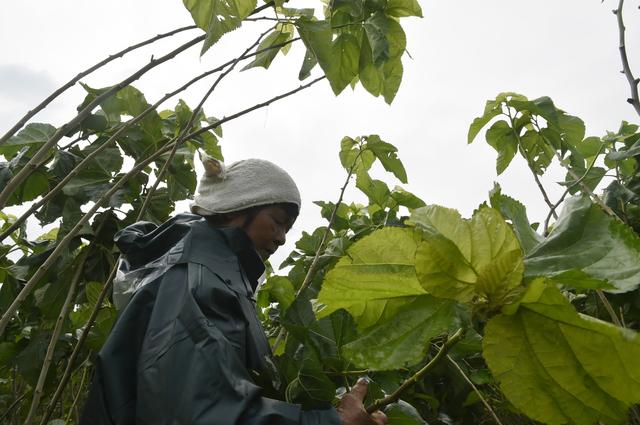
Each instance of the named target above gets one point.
<point>404,339</point>
<point>33,135</point>
<point>476,260</point>
<point>218,17</point>
<point>387,154</point>
<point>558,366</point>
<point>345,53</point>
<point>402,8</point>
<point>586,239</point>
<point>373,282</point>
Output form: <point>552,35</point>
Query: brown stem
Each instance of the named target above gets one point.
<point>78,394</point>
<point>314,263</point>
<point>552,211</point>
<point>83,74</point>
<point>395,396</point>
<point>30,166</point>
<point>608,307</point>
<point>68,302</point>
<point>194,115</point>
<point>475,389</point>
<point>634,100</point>
<point>76,350</point>
<point>28,287</point>
<point>51,193</point>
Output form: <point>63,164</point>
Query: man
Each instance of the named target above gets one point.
<point>188,338</point>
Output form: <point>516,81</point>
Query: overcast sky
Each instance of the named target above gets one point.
<point>463,53</point>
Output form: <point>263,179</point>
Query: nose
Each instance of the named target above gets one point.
<point>280,237</point>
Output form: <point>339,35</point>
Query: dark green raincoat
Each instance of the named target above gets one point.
<point>183,348</point>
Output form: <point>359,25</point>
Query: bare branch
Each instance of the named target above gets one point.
<point>634,100</point>
<point>68,302</point>
<point>475,389</point>
<point>181,138</point>
<point>83,74</point>
<point>125,126</point>
<point>29,286</point>
<point>60,132</point>
<point>76,350</point>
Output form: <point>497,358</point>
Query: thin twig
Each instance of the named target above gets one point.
<point>475,389</point>
<point>37,158</point>
<point>76,350</point>
<point>634,100</point>
<point>28,287</point>
<point>83,74</point>
<point>608,307</point>
<point>13,405</point>
<point>552,211</point>
<point>68,302</point>
<point>314,263</point>
<point>76,170</point>
<point>194,115</point>
<point>395,396</point>
<point>77,397</point>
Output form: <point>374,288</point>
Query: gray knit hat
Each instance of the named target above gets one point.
<point>243,184</point>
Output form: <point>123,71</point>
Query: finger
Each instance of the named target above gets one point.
<point>359,390</point>
<point>379,417</point>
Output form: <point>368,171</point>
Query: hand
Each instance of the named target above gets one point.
<point>352,411</point>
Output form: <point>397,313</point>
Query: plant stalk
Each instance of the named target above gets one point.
<point>37,158</point>
<point>634,100</point>
<point>442,352</point>
<point>83,74</point>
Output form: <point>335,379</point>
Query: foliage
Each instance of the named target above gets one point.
<point>375,291</point>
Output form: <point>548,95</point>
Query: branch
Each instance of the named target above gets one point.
<point>33,163</point>
<point>76,350</point>
<point>13,405</point>
<point>125,126</point>
<point>68,302</point>
<point>552,212</point>
<point>194,114</point>
<point>475,389</point>
<point>28,287</point>
<point>608,307</point>
<point>78,394</point>
<point>314,263</point>
<point>634,100</point>
<point>83,74</point>
<point>395,396</point>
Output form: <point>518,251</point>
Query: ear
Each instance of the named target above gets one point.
<point>213,168</point>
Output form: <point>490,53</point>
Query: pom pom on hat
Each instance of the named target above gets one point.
<point>241,185</point>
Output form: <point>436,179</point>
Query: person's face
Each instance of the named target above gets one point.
<point>268,230</point>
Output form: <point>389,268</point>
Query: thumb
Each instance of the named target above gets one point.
<point>359,390</point>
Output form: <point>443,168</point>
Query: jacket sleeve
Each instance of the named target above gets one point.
<point>191,369</point>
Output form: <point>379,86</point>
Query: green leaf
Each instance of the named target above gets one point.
<point>264,58</point>
<point>308,64</point>
<point>352,7</point>
<point>372,282</point>
<point>281,290</point>
<point>32,135</point>
<point>376,190</point>
<point>392,77</point>
<point>558,366</point>
<point>476,260</point>
<point>218,17</point>
<point>403,8</point>
<point>537,151</point>
<point>402,413</point>
<point>516,213</point>
<point>345,52</point>
<point>492,109</point>
<point>351,155</point>
<point>317,36</point>
<point>407,199</point>
<point>404,339</point>
<point>585,238</point>
<point>502,138</point>
<point>387,154</point>
<point>376,29</point>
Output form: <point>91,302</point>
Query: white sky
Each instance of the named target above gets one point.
<point>464,52</point>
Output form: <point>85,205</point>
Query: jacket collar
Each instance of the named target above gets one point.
<point>243,247</point>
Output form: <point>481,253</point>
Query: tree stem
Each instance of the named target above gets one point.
<point>83,74</point>
<point>68,302</point>
<point>37,158</point>
<point>442,352</point>
<point>634,100</point>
